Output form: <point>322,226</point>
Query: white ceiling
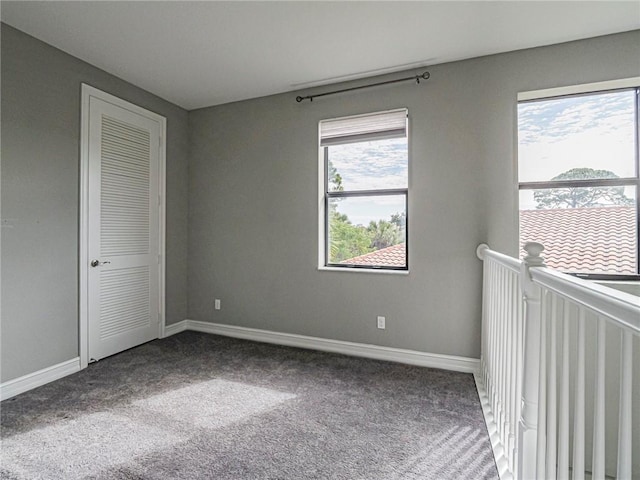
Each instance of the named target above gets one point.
<point>198,54</point>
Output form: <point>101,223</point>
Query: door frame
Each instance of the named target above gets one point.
<point>83,264</point>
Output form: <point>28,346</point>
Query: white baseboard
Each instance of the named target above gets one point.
<point>36,379</point>
<point>411,357</point>
<point>497,446</point>
<point>174,328</point>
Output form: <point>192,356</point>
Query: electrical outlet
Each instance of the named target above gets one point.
<point>216,304</point>
<point>381,323</point>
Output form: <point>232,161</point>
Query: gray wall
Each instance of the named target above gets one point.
<point>253,200</point>
<point>40,184</point>
<point>250,191</point>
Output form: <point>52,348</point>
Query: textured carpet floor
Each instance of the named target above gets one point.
<point>197,406</point>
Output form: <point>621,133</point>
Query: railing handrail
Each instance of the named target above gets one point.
<point>619,308</point>
<point>484,251</point>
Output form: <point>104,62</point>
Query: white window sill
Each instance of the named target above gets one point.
<point>364,270</point>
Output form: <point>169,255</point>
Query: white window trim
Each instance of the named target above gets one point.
<point>363,270</point>
<point>576,89</point>
<point>322,234</point>
<point>594,87</point>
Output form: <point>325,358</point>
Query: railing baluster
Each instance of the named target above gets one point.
<point>578,416</point>
<point>505,372</point>
<point>519,360</point>
<point>599,411</point>
<point>494,347</point>
<point>527,369</point>
<point>517,389</point>
<point>496,358</point>
<point>487,296</point>
<point>492,329</point>
<point>505,361</point>
<point>501,359</point>
<point>496,367</point>
<point>513,349</point>
<point>494,343</point>
<point>551,392</point>
<point>500,362</point>
<point>542,391</point>
<point>625,416</point>
<point>563,421</point>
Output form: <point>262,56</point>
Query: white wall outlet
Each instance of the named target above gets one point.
<point>381,323</point>
<point>216,304</point>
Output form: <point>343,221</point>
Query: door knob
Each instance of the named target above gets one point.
<point>95,263</point>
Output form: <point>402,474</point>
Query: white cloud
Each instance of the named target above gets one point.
<point>372,165</point>
<point>593,131</point>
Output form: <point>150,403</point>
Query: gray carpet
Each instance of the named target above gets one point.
<point>197,406</point>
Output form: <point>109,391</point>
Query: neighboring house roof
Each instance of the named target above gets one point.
<point>393,256</point>
<point>589,240</point>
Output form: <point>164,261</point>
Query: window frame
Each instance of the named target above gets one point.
<point>327,195</point>
<point>631,84</point>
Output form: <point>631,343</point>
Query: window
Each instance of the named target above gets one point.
<point>579,181</point>
<point>365,181</point>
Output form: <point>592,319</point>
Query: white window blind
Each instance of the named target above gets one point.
<point>361,128</point>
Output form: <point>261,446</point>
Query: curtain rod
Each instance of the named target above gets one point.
<point>417,78</point>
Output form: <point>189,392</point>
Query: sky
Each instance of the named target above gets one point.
<point>594,131</point>
<point>381,164</point>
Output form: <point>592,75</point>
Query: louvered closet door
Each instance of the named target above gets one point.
<point>123,241</point>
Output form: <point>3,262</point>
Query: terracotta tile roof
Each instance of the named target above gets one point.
<point>588,240</point>
<point>393,256</point>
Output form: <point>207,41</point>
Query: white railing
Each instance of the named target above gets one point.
<point>556,378</point>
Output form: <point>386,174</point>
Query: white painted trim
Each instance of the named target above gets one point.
<point>410,357</point>
<point>87,92</point>
<point>36,379</point>
<point>174,328</point>
<point>499,456</point>
<point>322,228</point>
<point>584,88</point>
<point>83,240</point>
<point>321,206</point>
<point>363,270</point>
<point>162,227</point>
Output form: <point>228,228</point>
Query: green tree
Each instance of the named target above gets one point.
<point>383,234</point>
<point>575,197</point>
<point>346,240</point>
<point>399,219</point>
<point>335,179</point>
